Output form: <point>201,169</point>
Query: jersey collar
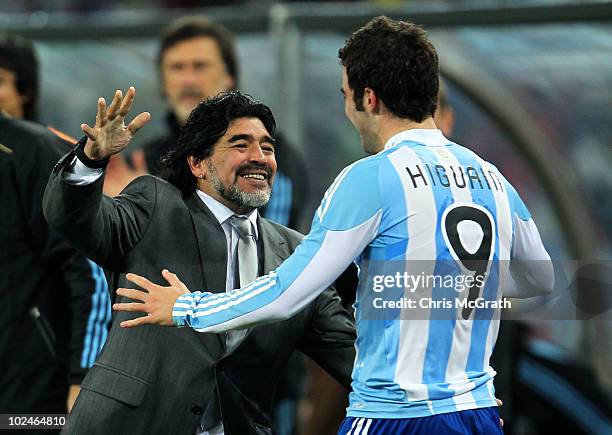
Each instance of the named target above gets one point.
<point>426,136</point>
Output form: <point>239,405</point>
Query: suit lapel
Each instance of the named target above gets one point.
<point>275,248</point>
<point>211,243</point>
<point>213,251</point>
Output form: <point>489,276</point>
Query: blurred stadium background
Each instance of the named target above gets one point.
<point>530,83</point>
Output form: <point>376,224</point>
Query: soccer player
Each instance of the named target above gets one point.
<point>418,210</point>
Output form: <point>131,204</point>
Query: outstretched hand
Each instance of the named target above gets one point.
<point>157,303</point>
<point>110,135</point>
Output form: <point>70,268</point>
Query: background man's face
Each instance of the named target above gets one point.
<point>191,71</point>
<point>241,170</point>
<point>11,101</point>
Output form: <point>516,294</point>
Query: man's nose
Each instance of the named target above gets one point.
<point>189,76</point>
<point>256,154</point>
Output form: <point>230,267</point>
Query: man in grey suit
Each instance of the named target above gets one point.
<point>202,224</point>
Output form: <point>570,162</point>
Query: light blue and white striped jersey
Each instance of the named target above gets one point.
<point>423,206</point>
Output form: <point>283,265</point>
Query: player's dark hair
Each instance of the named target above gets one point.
<point>190,27</point>
<point>17,55</point>
<point>207,123</point>
<point>396,60</point>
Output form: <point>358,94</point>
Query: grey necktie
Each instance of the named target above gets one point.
<point>247,250</point>
<point>247,271</point>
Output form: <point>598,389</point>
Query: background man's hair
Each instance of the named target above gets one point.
<point>207,123</point>
<point>190,27</point>
<point>396,60</point>
<point>17,55</point>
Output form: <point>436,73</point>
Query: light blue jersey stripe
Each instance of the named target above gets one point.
<point>98,319</point>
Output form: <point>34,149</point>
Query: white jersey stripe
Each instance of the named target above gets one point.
<point>329,194</point>
<point>421,246</point>
<point>456,375</point>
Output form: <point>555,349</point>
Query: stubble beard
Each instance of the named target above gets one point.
<point>233,194</point>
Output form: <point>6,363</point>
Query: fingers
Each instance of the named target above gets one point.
<point>138,122</point>
<point>101,118</point>
<point>140,281</point>
<point>499,402</point>
<point>126,104</point>
<point>111,112</point>
<point>145,320</point>
<point>174,281</point>
<point>91,134</point>
<point>132,294</point>
<point>132,306</point>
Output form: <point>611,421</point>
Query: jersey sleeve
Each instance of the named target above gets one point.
<point>530,265</point>
<point>345,223</point>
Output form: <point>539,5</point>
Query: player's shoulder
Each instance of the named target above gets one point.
<point>364,168</point>
<point>516,203</point>
<point>158,185</point>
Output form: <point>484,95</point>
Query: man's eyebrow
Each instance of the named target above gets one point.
<point>238,137</point>
<point>342,91</point>
<point>269,139</point>
<point>248,138</point>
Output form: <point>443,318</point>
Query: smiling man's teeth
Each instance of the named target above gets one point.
<point>255,176</point>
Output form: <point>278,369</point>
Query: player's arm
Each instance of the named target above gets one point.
<point>530,265</point>
<point>341,229</point>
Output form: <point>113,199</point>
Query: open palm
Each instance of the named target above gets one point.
<point>110,135</point>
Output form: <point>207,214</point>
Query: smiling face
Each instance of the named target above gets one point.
<point>240,172</point>
<point>191,71</point>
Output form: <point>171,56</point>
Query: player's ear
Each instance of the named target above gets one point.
<point>371,102</point>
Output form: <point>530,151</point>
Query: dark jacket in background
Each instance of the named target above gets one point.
<point>51,325</point>
<point>159,380</point>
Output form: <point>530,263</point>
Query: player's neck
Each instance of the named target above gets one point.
<point>391,126</point>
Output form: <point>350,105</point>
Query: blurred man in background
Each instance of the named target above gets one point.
<point>46,348</point>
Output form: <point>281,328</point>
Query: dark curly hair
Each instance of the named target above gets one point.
<point>17,54</point>
<point>396,60</point>
<point>206,124</point>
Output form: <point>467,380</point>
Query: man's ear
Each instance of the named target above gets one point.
<point>371,102</point>
<point>197,166</point>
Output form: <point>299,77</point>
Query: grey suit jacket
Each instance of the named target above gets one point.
<point>159,380</point>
